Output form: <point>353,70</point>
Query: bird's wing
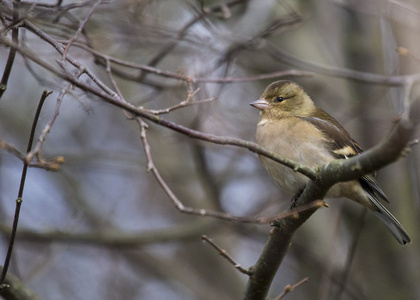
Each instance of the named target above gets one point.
<point>339,141</point>
<point>342,146</point>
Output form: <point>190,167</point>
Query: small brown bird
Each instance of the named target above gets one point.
<point>294,128</point>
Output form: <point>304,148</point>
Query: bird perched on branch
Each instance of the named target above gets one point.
<point>294,128</point>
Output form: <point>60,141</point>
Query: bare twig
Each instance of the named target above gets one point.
<point>41,139</point>
<point>226,255</point>
<point>60,50</point>
<point>82,25</point>
<point>12,53</point>
<point>49,165</point>
<point>187,102</point>
<point>111,78</point>
<point>289,288</point>
<point>20,193</point>
<point>12,149</point>
<point>181,104</point>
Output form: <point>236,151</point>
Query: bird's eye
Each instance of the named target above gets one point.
<point>279,99</point>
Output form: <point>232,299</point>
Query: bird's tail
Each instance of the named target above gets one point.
<point>391,222</point>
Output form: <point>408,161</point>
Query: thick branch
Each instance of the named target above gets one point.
<point>386,152</point>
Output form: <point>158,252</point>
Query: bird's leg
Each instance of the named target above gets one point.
<point>292,206</point>
<point>295,198</point>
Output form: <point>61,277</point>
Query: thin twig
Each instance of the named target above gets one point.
<point>19,199</point>
<point>60,49</point>
<point>289,288</point>
<point>226,255</point>
<point>12,149</point>
<point>111,78</point>
<point>82,25</point>
<point>181,104</point>
<point>49,165</point>
<point>187,102</point>
<point>41,139</point>
<point>12,53</point>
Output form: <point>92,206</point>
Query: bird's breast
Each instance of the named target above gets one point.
<point>294,139</point>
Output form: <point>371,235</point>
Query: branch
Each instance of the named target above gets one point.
<point>20,192</point>
<point>16,289</point>
<point>115,238</point>
<point>12,53</point>
<point>81,27</point>
<point>226,255</point>
<point>41,139</point>
<point>386,152</point>
<point>289,288</point>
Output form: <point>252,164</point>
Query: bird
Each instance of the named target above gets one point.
<point>293,127</point>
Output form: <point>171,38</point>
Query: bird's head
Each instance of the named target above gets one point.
<point>283,99</point>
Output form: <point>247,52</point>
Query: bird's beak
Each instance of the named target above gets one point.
<point>260,104</point>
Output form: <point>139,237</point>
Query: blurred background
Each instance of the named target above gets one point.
<point>102,227</point>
